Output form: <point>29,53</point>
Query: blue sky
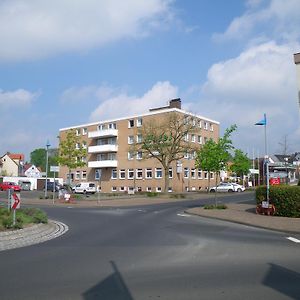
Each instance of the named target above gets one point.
<point>65,63</point>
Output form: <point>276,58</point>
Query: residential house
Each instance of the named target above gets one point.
<point>32,171</point>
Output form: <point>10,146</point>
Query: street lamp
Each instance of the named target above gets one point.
<point>47,148</point>
<point>286,169</point>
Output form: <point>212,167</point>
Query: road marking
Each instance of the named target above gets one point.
<point>293,239</point>
<point>183,215</point>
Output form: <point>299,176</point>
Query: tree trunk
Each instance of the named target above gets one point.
<point>216,189</point>
<point>166,187</point>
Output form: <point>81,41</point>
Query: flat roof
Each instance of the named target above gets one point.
<point>297,58</point>
<point>142,115</point>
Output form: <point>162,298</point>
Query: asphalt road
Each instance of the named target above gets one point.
<point>152,252</point>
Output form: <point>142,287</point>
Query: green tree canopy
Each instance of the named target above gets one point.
<point>71,152</point>
<point>38,158</point>
<point>214,156</point>
<point>241,163</point>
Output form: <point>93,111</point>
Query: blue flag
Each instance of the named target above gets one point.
<point>263,121</point>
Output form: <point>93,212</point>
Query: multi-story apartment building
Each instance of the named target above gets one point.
<point>115,168</point>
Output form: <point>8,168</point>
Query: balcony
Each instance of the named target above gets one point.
<point>103,164</point>
<point>103,133</point>
<point>103,148</point>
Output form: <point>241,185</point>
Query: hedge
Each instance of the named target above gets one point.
<point>286,199</point>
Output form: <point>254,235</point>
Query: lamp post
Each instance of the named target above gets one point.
<point>286,169</point>
<point>47,148</point>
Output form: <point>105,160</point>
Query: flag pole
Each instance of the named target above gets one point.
<point>267,161</point>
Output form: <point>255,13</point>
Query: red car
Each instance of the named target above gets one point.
<point>4,186</point>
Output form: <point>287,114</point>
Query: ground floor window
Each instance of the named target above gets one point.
<point>97,174</point>
<point>148,189</point>
<point>113,188</point>
<point>158,189</point>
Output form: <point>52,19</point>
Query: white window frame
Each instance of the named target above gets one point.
<point>193,138</point>
<point>205,125</point>
<point>112,126</point>
<point>84,145</point>
<point>114,174</point>
<point>199,173</point>
<point>139,155</point>
<point>146,173</point>
<point>97,174</point>
<point>130,139</point>
<point>77,131</point>
<point>130,155</point>
<point>170,172</point>
<point>129,172</point>
<point>158,189</point>
<point>83,175</point>
<point>193,173</point>
<point>149,189</point>
<point>113,188</point>
<point>84,131</point>
<point>156,173</point>
<point>139,138</point>
<point>200,139</point>
<point>137,173</point>
<point>211,127</point>
<point>186,172</point>
<point>122,172</point>
<point>131,123</point>
<point>139,122</point>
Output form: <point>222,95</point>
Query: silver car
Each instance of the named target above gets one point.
<point>227,187</point>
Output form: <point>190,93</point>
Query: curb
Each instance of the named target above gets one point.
<point>282,230</point>
<point>35,234</point>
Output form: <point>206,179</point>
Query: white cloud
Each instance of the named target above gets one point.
<point>35,29</point>
<point>16,99</point>
<point>120,105</point>
<point>278,20</point>
<point>260,80</point>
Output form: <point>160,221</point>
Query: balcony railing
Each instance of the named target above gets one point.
<point>103,133</point>
<point>102,148</point>
<point>103,164</point>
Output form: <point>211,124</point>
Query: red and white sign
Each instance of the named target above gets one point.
<point>274,181</point>
<point>15,203</point>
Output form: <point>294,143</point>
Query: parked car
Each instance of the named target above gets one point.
<point>238,187</point>
<point>50,186</point>
<point>227,187</point>
<point>85,188</point>
<point>4,186</point>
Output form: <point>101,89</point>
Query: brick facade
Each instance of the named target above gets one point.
<point>109,146</point>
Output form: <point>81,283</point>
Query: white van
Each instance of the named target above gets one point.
<point>85,187</point>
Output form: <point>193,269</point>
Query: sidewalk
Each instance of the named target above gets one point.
<point>245,214</point>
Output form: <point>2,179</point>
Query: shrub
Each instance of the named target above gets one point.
<point>7,222</point>
<point>212,206</point>
<point>286,199</point>
<point>177,196</point>
<point>152,194</point>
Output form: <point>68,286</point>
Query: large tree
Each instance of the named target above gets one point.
<point>214,156</point>
<point>71,152</point>
<point>166,142</point>
<point>38,158</point>
<point>241,163</point>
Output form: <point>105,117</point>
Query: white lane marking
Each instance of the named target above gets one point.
<point>293,239</point>
<point>183,215</point>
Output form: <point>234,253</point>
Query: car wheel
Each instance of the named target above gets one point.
<point>230,191</point>
<point>239,190</point>
<point>212,190</point>
<point>84,191</point>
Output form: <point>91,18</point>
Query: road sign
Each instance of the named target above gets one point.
<point>275,181</point>
<point>15,204</point>
<point>54,169</point>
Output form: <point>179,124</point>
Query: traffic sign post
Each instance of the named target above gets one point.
<point>54,169</point>
<point>15,204</point>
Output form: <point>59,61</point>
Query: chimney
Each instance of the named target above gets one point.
<point>175,103</point>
